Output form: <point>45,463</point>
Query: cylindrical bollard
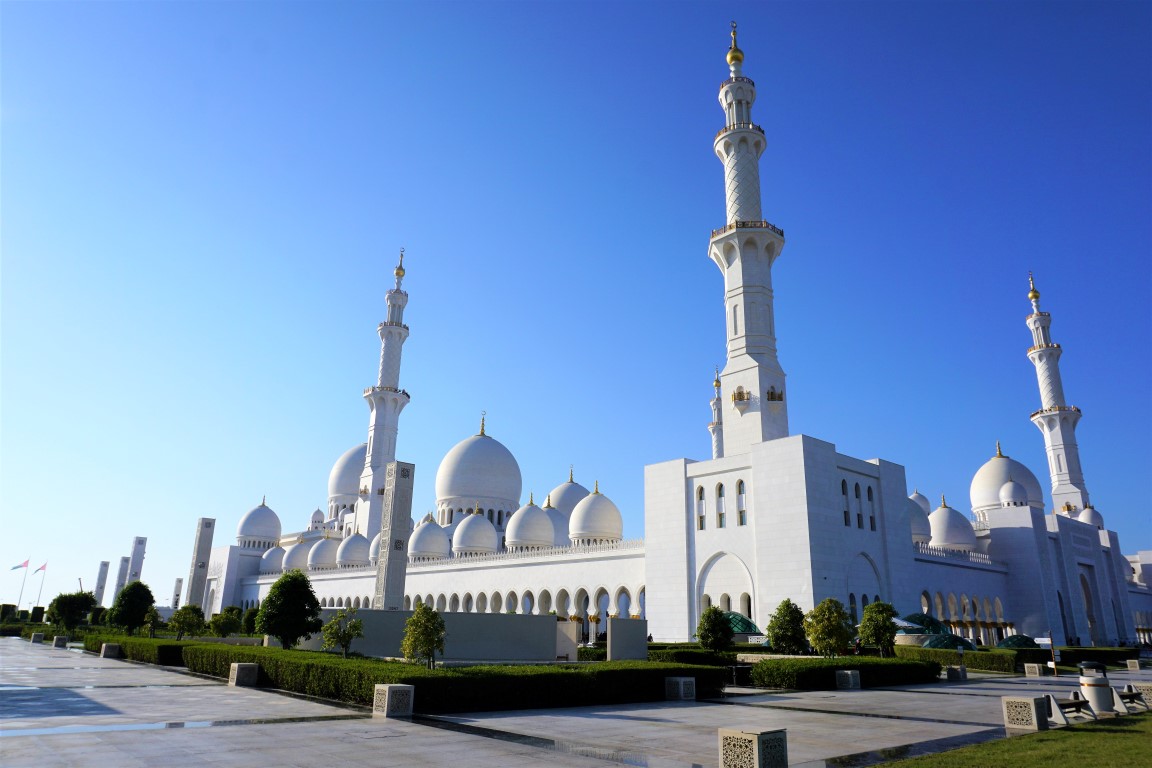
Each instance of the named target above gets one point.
<point>1098,693</point>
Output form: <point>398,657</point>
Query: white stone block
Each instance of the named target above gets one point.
<point>1034,670</point>
<point>37,637</point>
<point>750,749</point>
<point>957,674</point>
<point>680,688</point>
<point>243,674</point>
<point>110,651</point>
<point>848,679</point>
<point>393,701</point>
<point>1024,713</point>
<point>1133,665</point>
<point>60,641</point>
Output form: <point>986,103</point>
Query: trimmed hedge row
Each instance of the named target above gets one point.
<point>820,674</point>
<point>464,689</point>
<point>1114,656</point>
<point>988,661</point>
<point>166,653</point>
<point>694,656</point>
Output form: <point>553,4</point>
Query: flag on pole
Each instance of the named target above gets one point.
<point>22,565</point>
<point>41,568</point>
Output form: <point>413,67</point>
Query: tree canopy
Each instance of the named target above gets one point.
<point>423,635</point>
<point>130,608</point>
<point>69,609</point>
<point>291,612</point>
<point>226,623</point>
<point>248,621</point>
<point>714,631</point>
<point>828,627</point>
<point>877,627</point>
<point>187,620</point>
<point>785,630</point>
<point>342,629</point>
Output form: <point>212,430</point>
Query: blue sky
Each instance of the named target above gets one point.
<point>202,205</point>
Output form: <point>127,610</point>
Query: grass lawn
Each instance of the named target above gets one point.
<point>1120,742</point>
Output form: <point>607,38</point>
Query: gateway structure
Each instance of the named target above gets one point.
<point>771,515</point>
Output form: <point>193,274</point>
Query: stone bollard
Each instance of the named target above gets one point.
<point>393,701</point>
<point>1133,665</point>
<point>764,749</point>
<point>37,637</point>
<point>680,688</point>
<point>1024,713</point>
<point>957,674</point>
<point>848,679</point>
<point>1034,670</point>
<point>110,651</point>
<point>60,641</point>
<point>243,674</point>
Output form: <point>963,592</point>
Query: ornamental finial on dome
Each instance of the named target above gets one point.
<point>531,502</point>
<point>735,55</point>
<point>1033,294</point>
<point>483,415</point>
<point>942,502</point>
<point>999,453</point>
<point>548,502</point>
<point>399,271</point>
<point>716,381</point>
<point>264,500</point>
<point>597,488</point>
<point>570,473</point>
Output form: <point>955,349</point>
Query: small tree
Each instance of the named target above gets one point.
<point>68,610</point>
<point>423,636</point>
<point>786,629</point>
<point>225,623</point>
<point>187,620</point>
<point>342,629</point>
<point>714,630</point>
<point>291,612</point>
<point>130,609</point>
<point>877,627</point>
<point>96,617</point>
<point>828,627</point>
<point>248,621</point>
<point>152,621</point>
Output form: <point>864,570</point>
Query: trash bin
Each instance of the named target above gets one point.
<point>1094,686</point>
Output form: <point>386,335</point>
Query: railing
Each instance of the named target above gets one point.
<point>738,79</point>
<point>738,126</point>
<point>951,554</point>
<point>748,225</point>
<point>629,545</point>
<point>369,390</point>
<point>392,325</point>
<point>1055,409</point>
<point>1043,346</point>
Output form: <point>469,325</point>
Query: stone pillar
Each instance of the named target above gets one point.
<point>680,688</point>
<point>110,651</point>
<point>393,701</point>
<point>60,641</point>
<point>1024,713</point>
<point>749,749</point>
<point>37,637</point>
<point>848,679</point>
<point>241,674</point>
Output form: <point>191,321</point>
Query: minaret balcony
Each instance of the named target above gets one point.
<point>738,127</point>
<point>748,225</point>
<point>738,79</point>
<point>1054,409</point>
<point>392,325</point>
<point>380,390</point>
<point>1043,346</point>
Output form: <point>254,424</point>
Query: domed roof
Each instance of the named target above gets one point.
<point>922,501</point>
<point>479,467</point>
<point>567,495</point>
<point>317,518</point>
<point>559,524</point>
<point>1092,517</point>
<point>474,535</point>
<point>374,549</point>
<point>1012,494</point>
<point>951,530</point>
<point>596,517</point>
<point>921,528</point>
<point>323,553</point>
<point>344,479</point>
<point>272,561</point>
<point>990,478</point>
<point>259,523</point>
<point>353,551</point>
<point>296,555</point>
<point>430,540</point>
<point>531,526</point>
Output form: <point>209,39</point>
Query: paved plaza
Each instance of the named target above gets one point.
<point>66,708</point>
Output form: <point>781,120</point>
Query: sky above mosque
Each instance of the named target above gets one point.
<point>203,204</point>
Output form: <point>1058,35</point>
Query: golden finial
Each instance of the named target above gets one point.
<point>531,499</point>
<point>477,510</point>
<point>942,502</point>
<point>999,453</point>
<point>548,502</point>
<point>399,272</point>
<point>716,381</point>
<point>570,473</point>
<point>735,55</point>
<point>263,500</point>
<point>597,488</point>
<point>483,415</point>
<point>1033,294</point>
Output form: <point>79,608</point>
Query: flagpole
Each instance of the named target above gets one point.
<point>25,579</point>
<point>43,573</point>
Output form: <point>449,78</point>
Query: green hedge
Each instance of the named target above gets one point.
<point>164,652</point>
<point>464,689</point>
<point>694,656</point>
<point>987,661</point>
<point>591,654</point>
<point>1115,656</point>
<point>820,674</point>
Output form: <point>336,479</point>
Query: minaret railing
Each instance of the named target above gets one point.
<point>738,126</point>
<point>748,225</point>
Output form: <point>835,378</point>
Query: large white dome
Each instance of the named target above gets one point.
<point>296,555</point>
<point>429,541</point>
<point>531,527</point>
<point>260,524</point>
<point>479,468</point>
<point>344,479</point>
<point>559,524</point>
<point>353,551</point>
<point>272,561</point>
<point>595,518</point>
<point>323,553</point>
<point>921,528</point>
<point>990,478</point>
<point>922,502</point>
<point>566,496</point>
<point>951,530</point>
<point>474,535</point>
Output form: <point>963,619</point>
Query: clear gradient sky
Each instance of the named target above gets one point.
<point>203,202</point>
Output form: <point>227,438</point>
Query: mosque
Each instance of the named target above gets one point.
<point>770,515</point>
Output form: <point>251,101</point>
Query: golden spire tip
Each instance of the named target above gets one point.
<point>570,473</point>
<point>483,415</point>
<point>597,489</point>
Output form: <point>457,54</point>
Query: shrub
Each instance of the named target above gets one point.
<point>828,627</point>
<point>988,661</point>
<point>591,654</point>
<point>187,620</point>
<point>423,635</point>
<point>291,612</point>
<point>69,609</point>
<point>248,621</point>
<point>1115,656</point>
<point>341,630</point>
<point>820,674</point>
<point>226,623</point>
<point>877,628</point>
<point>699,656</point>
<point>785,630</point>
<point>714,630</point>
<point>164,652</point>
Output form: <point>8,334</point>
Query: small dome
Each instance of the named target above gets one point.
<point>479,468</point>
<point>1012,494</point>
<point>317,518</point>
<point>323,553</point>
<point>532,527</point>
<point>272,561</point>
<point>474,535</point>
<point>296,555</point>
<point>374,549</point>
<point>951,530</point>
<point>921,528</point>
<point>566,496</point>
<point>990,478</point>
<point>429,541</point>
<point>595,518</point>
<point>259,523</point>
<point>344,479</point>
<point>559,524</point>
<point>353,551</point>
<point>1090,516</point>
<point>922,501</point>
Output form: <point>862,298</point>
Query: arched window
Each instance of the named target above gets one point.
<point>857,490</point>
<point>869,493</point>
<point>720,506</point>
<point>863,601</point>
<point>847,513</point>
<point>741,504</point>
<point>700,508</point>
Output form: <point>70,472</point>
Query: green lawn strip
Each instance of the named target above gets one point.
<point>1112,743</point>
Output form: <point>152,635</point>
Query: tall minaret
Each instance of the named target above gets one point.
<point>752,382</point>
<point>716,426</point>
<point>1056,420</point>
<point>385,401</point>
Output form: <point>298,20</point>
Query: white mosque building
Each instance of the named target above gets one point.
<point>770,515</point>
